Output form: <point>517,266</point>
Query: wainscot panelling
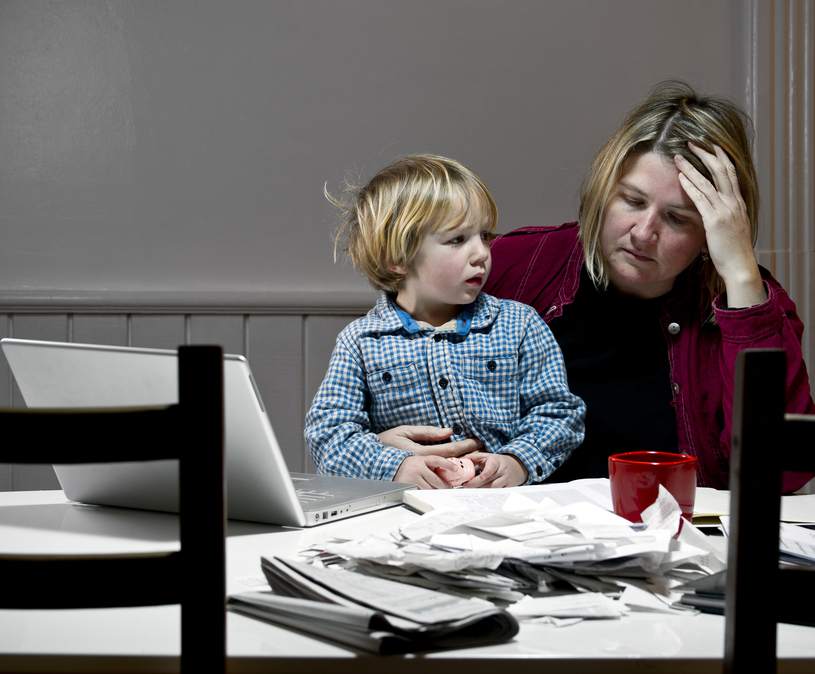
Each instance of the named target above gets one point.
<point>157,331</point>
<point>109,329</point>
<point>287,338</point>
<point>212,329</point>
<point>274,348</point>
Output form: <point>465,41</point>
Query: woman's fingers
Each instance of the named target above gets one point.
<point>725,188</point>
<point>720,167</point>
<point>730,170</point>
<point>700,199</point>
<point>728,233</point>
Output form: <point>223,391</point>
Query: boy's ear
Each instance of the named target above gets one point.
<point>398,269</point>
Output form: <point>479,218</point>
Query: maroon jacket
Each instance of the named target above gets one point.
<point>540,266</point>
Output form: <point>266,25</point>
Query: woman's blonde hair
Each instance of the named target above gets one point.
<point>386,220</point>
<point>671,115</point>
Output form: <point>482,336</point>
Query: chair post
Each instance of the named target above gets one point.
<point>755,509</point>
<point>202,482</point>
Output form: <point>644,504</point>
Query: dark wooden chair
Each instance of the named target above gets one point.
<point>765,441</point>
<point>194,577</point>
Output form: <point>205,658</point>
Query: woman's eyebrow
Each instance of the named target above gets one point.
<point>681,207</point>
<point>633,188</point>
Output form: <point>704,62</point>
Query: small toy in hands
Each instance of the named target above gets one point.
<point>465,473</point>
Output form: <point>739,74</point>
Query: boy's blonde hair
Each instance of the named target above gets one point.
<point>387,219</point>
<point>671,115</point>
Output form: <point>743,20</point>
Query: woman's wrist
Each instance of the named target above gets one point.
<point>746,290</point>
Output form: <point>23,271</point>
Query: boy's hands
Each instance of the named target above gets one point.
<point>409,437</point>
<point>497,470</point>
<point>419,471</point>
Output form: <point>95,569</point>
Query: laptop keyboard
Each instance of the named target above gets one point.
<point>312,495</point>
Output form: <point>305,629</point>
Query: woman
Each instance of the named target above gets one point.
<point>656,289</point>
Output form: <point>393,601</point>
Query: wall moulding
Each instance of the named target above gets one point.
<point>186,302</point>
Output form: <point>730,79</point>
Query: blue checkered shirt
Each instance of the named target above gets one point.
<point>498,377</point>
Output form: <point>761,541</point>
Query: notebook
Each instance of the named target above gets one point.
<point>259,485</point>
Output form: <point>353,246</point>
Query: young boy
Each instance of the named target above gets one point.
<point>435,351</point>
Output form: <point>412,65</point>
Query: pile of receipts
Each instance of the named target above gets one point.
<point>478,561</point>
<point>554,553</point>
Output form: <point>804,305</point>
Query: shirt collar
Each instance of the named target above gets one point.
<point>463,322</point>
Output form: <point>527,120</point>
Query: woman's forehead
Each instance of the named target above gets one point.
<point>654,176</point>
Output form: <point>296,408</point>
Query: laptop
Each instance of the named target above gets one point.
<point>259,485</point>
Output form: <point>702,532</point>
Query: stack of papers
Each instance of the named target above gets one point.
<point>556,553</point>
<point>478,561</point>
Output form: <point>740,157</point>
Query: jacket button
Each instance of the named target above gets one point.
<point>492,366</point>
<point>387,377</point>
<point>539,470</point>
<point>673,328</point>
<point>457,430</point>
<point>443,382</point>
<point>437,338</point>
<point>676,388</point>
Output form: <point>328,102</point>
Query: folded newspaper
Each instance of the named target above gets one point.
<point>371,614</point>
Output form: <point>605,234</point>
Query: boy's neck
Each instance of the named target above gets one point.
<point>435,316</point>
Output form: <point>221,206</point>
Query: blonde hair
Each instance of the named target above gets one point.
<point>671,115</point>
<point>386,220</point>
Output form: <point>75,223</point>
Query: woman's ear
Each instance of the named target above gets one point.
<point>398,269</point>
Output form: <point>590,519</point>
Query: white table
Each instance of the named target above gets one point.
<point>147,639</point>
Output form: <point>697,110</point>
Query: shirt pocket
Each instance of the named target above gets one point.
<point>490,387</point>
<point>398,397</point>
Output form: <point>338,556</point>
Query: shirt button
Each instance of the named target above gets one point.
<point>437,338</point>
<point>387,377</point>
<point>457,430</point>
<point>491,366</point>
<point>676,388</point>
<point>673,328</point>
<point>443,382</point>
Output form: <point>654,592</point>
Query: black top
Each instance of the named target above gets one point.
<point>617,362</point>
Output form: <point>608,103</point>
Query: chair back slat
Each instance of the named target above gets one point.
<point>90,436</point>
<point>203,531</point>
<point>194,577</point>
<point>764,443</point>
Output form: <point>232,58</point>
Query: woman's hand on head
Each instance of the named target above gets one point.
<point>408,438</point>
<point>727,226</point>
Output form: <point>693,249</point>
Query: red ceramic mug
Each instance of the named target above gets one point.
<point>636,476</point>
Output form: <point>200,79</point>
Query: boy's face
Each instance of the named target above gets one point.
<point>448,272</point>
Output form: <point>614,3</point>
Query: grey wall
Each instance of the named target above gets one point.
<point>184,145</point>
<point>162,162</point>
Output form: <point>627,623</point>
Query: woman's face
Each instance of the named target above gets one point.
<point>651,229</point>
